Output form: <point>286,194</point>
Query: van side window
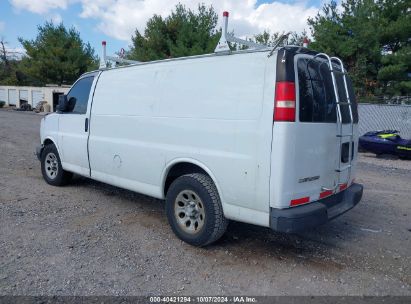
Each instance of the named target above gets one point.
<point>78,96</point>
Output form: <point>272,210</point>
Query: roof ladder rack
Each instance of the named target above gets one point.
<point>105,59</point>
<point>223,46</point>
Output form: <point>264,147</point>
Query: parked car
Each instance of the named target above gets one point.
<point>261,137</point>
<point>385,142</point>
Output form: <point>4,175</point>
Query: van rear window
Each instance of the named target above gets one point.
<point>316,93</point>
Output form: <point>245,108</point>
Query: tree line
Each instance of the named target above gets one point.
<point>56,56</point>
<point>372,37</point>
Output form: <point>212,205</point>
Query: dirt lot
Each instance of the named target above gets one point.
<point>89,238</point>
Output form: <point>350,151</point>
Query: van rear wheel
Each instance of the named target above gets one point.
<point>51,168</point>
<point>194,210</point>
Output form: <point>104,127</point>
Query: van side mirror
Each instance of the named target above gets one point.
<point>63,103</point>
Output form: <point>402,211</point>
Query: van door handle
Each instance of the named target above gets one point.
<point>86,125</point>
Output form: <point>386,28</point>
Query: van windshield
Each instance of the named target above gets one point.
<point>317,102</point>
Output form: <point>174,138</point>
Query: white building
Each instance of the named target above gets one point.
<point>33,95</point>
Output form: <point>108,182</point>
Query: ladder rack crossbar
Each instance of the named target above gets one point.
<point>121,60</point>
<point>231,38</point>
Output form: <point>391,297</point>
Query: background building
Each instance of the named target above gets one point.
<point>13,95</point>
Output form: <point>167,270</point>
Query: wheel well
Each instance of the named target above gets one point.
<point>48,141</point>
<point>180,169</point>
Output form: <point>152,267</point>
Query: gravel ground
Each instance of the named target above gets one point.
<point>89,238</point>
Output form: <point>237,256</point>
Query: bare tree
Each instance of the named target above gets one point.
<point>4,56</point>
<point>3,52</point>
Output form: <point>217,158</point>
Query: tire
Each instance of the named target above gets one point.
<point>193,198</point>
<point>51,169</point>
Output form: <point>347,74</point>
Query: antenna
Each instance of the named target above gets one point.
<point>104,58</point>
<point>222,45</point>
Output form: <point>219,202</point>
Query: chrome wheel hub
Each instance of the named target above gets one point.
<point>189,211</point>
<point>51,165</point>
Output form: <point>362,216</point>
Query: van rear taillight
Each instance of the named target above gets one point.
<point>284,104</point>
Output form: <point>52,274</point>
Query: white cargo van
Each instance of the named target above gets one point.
<point>245,136</point>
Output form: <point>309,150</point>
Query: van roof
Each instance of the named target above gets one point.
<point>291,51</point>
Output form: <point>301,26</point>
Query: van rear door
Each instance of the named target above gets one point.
<point>313,156</point>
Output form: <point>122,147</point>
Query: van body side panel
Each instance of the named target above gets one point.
<point>213,110</point>
<point>49,129</point>
<point>121,148</point>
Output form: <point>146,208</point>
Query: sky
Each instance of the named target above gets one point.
<point>116,20</point>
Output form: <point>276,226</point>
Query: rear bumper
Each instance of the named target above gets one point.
<point>316,213</point>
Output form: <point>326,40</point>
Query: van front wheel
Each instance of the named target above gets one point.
<point>194,210</point>
<point>51,168</point>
